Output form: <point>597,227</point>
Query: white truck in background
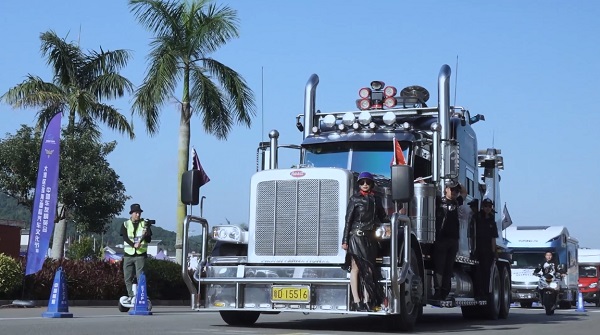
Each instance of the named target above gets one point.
<point>528,245</point>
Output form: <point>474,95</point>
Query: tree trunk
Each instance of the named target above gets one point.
<point>60,232</point>
<point>183,156</point>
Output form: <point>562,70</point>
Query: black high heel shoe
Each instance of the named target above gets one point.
<point>354,306</point>
<point>364,307</point>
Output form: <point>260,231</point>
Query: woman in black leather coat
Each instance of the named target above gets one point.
<point>364,212</point>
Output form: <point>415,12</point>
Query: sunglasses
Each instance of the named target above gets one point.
<point>364,181</point>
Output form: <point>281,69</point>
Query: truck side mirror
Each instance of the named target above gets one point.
<point>403,188</point>
<point>190,187</point>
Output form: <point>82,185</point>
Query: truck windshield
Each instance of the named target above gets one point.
<point>529,260</point>
<point>588,271</point>
<point>374,157</point>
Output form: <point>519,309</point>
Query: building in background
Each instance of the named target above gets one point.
<point>10,237</point>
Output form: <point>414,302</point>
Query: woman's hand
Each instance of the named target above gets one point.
<point>345,246</point>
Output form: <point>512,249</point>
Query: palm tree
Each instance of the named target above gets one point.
<point>185,34</point>
<point>81,82</point>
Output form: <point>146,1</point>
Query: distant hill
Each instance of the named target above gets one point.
<point>10,210</point>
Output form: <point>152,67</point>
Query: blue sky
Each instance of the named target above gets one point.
<point>531,67</point>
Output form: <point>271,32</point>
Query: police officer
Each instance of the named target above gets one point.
<point>486,233</point>
<point>445,246</point>
<point>136,236</point>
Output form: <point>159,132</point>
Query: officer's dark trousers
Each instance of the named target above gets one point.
<point>444,254</point>
<point>482,279</point>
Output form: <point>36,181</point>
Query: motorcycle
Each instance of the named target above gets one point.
<point>549,288</point>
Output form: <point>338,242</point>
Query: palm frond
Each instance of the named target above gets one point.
<point>64,58</point>
<point>211,104</point>
<point>110,85</point>
<point>97,63</point>
<point>110,116</point>
<point>240,96</point>
<point>160,17</point>
<point>210,27</point>
<point>159,83</point>
<point>34,92</point>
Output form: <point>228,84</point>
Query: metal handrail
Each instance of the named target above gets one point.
<point>396,278</point>
<point>184,271</point>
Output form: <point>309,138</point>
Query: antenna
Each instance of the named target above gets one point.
<point>456,81</point>
<point>262,103</point>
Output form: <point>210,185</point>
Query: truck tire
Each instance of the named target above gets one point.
<point>411,306</point>
<point>493,302</point>
<point>235,318</point>
<point>505,293</point>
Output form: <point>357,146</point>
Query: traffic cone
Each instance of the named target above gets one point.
<point>141,306</point>
<point>580,303</point>
<point>58,304</point>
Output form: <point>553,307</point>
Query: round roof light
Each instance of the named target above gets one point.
<point>315,130</point>
<point>372,125</point>
<point>364,118</point>
<point>390,91</point>
<point>364,92</point>
<point>406,125</point>
<point>329,120</point>
<point>377,85</point>
<point>436,127</point>
<point>364,104</point>
<point>341,127</point>
<point>348,119</point>
<point>389,118</point>
<point>355,126</point>
<point>389,102</point>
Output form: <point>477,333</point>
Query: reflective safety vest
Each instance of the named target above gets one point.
<point>137,237</point>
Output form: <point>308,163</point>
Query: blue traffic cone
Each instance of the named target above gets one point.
<point>141,306</point>
<point>58,304</point>
<point>580,303</point>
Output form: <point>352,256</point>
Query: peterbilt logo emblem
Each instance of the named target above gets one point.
<point>297,174</point>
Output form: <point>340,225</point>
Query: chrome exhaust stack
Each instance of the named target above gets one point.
<point>440,159</point>
<point>310,95</point>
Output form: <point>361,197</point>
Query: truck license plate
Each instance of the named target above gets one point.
<point>299,294</point>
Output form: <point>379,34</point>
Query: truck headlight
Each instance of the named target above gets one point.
<point>384,232</point>
<point>230,234</point>
<point>553,285</point>
<point>593,285</point>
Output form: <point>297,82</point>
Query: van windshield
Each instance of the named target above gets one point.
<point>588,271</point>
<point>529,260</point>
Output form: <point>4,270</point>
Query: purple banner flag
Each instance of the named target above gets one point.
<point>197,166</point>
<point>45,199</point>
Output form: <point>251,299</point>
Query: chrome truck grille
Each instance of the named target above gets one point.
<point>297,217</point>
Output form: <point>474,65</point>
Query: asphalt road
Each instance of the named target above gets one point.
<point>182,320</point>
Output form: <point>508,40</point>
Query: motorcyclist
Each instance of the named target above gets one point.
<point>549,266</point>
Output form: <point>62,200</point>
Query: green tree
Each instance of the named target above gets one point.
<point>88,187</point>
<point>81,83</point>
<point>83,249</point>
<point>185,34</point>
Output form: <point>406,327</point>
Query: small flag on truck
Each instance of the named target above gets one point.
<point>197,166</point>
<point>506,220</point>
<point>398,154</point>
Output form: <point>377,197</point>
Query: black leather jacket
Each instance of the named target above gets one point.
<point>446,222</point>
<point>363,213</point>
